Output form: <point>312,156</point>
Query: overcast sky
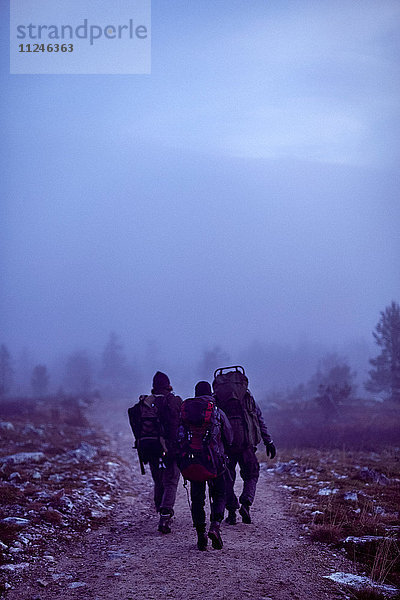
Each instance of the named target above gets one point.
<point>248,189</point>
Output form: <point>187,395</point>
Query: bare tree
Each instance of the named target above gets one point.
<point>385,374</point>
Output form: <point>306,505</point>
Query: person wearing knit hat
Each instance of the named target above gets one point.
<point>164,407</point>
<point>161,383</point>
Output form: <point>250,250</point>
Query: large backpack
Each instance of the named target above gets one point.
<point>147,429</point>
<point>233,397</point>
<point>199,457</point>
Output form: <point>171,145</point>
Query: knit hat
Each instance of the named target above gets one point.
<point>203,388</point>
<point>161,381</point>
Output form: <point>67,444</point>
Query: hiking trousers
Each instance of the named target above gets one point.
<point>249,472</point>
<point>165,485</point>
<point>217,498</point>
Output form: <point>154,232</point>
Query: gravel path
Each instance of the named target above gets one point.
<point>127,559</point>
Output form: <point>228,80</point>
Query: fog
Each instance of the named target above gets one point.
<point>242,196</point>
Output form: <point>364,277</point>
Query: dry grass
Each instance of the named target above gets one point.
<point>359,426</point>
<point>365,503</point>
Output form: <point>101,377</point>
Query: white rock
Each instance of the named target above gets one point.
<point>12,568</point>
<point>6,426</point>
<point>24,457</point>
<point>365,539</point>
<point>76,584</point>
<point>351,496</point>
<point>360,581</point>
<point>327,491</point>
<point>18,521</point>
<point>84,452</point>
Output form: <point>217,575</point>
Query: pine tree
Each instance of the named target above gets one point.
<point>385,374</point>
<point>6,371</point>
<point>212,359</point>
<point>115,370</point>
<point>78,373</point>
<point>40,380</point>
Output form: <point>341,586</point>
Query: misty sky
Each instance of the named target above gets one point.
<point>246,190</point>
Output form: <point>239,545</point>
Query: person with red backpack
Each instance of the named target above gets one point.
<point>154,421</point>
<point>204,433</point>
<point>234,398</point>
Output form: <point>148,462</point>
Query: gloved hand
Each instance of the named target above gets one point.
<point>270,449</point>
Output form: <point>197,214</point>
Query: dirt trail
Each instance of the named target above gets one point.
<point>128,559</point>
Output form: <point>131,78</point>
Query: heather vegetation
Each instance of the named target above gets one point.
<point>57,480</point>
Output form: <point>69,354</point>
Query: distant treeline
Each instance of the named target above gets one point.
<point>329,379</point>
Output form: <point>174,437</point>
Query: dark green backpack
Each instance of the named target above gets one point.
<point>233,397</point>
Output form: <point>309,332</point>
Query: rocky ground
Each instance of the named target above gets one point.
<point>104,542</point>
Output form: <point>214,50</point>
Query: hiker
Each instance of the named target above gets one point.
<point>234,398</point>
<point>204,434</point>
<point>154,421</point>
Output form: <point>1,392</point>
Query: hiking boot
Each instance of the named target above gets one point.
<point>164,524</point>
<point>202,540</point>
<point>215,535</point>
<point>231,518</point>
<point>244,512</point>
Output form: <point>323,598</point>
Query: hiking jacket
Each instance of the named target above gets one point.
<point>169,407</point>
<point>266,438</point>
<point>225,439</point>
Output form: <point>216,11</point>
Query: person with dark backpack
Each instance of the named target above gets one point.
<point>154,421</point>
<point>204,433</point>
<point>232,395</point>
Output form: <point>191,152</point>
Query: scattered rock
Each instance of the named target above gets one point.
<point>76,584</point>
<point>85,452</point>
<point>327,491</point>
<point>360,581</point>
<point>24,457</point>
<point>351,496</point>
<point>6,426</point>
<point>372,476</point>
<point>17,567</point>
<point>290,467</point>
<point>16,521</point>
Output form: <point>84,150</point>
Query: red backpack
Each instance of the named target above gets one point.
<point>198,458</point>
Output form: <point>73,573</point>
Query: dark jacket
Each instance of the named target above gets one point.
<point>225,437</point>
<point>266,438</point>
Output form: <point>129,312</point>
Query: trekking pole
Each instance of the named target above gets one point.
<point>209,496</point>
<point>185,485</point>
<point>143,472</point>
